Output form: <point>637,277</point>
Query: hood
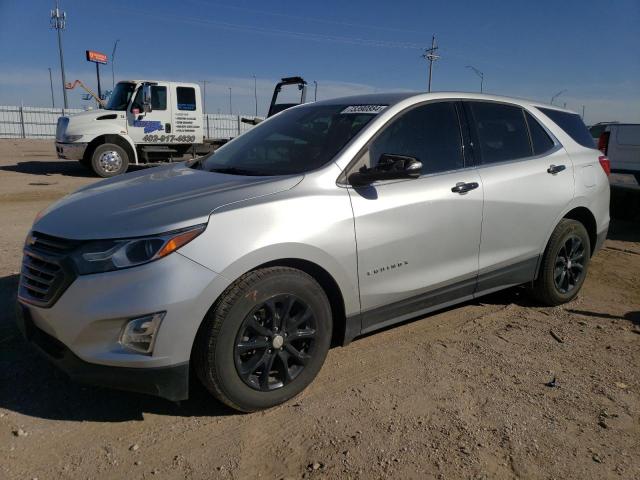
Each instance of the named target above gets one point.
<point>151,201</point>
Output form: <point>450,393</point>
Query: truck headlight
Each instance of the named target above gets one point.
<point>107,255</point>
<point>139,334</point>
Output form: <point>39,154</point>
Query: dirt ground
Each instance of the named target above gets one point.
<point>459,394</point>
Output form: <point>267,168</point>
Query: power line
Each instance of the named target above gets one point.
<point>431,56</point>
<point>59,21</point>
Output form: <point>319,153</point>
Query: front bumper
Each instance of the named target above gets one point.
<point>71,151</point>
<point>80,332</point>
<point>171,382</point>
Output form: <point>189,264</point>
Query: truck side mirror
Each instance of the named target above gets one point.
<point>146,98</point>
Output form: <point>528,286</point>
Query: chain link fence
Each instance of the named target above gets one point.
<point>40,122</point>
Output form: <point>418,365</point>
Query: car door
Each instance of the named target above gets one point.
<point>528,181</point>
<point>153,127</point>
<point>417,239</point>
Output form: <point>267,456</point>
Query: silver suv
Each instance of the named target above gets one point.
<point>325,222</point>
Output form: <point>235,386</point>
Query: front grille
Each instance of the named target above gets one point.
<point>46,269</point>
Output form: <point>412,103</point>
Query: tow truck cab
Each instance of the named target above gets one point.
<point>144,122</point>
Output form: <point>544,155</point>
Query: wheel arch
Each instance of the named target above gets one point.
<point>586,217</point>
<point>119,140</point>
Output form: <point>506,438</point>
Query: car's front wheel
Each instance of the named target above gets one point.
<point>265,339</point>
<point>564,264</point>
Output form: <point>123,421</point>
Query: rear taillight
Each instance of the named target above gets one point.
<point>605,164</point>
<point>603,142</point>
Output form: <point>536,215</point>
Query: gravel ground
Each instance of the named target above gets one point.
<point>465,393</point>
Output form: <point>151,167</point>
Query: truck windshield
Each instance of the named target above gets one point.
<point>120,97</point>
<point>296,141</point>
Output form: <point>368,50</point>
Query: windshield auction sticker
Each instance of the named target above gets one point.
<point>372,109</point>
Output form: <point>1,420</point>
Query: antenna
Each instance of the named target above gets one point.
<point>59,22</point>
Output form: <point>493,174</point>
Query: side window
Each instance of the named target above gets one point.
<point>186,98</point>
<point>540,140</point>
<point>501,130</point>
<point>158,98</point>
<point>430,133</point>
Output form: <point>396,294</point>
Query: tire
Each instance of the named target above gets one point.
<point>563,271</point>
<point>637,175</point>
<point>240,334</point>
<point>109,160</point>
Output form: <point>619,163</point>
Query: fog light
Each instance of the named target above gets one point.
<point>139,334</point>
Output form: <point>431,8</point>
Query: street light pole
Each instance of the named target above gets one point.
<point>315,91</point>
<point>480,74</point>
<point>255,93</point>
<point>58,21</point>
<point>230,109</point>
<point>557,95</point>
<point>53,103</point>
<point>113,61</point>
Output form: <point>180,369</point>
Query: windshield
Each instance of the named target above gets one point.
<point>120,97</point>
<point>296,141</point>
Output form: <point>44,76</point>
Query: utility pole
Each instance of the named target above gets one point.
<point>315,91</point>
<point>230,109</point>
<point>479,73</point>
<point>113,62</point>
<point>557,95</point>
<point>583,113</point>
<point>430,56</point>
<point>53,102</point>
<point>58,21</point>
<point>255,93</point>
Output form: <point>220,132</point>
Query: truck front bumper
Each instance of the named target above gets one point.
<point>71,151</point>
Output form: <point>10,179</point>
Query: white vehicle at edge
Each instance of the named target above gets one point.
<point>144,121</point>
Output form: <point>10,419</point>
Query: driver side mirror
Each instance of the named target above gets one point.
<point>146,98</point>
<point>389,167</point>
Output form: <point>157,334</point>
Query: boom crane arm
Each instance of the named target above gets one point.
<point>71,86</point>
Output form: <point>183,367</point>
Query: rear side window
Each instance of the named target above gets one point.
<point>628,134</point>
<point>540,139</point>
<point>501,130</point>
<point>430,133</point>
<point>572,125</point>
<point>186,98</point>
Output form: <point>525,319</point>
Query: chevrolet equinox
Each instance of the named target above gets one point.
<point>323,223</point>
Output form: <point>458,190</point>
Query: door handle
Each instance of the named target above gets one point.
<point>553,169</point>
<point>462,187</point>
<point>167,128</point>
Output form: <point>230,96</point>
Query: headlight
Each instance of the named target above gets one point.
<point>107,255</point>
<point>72,138</point>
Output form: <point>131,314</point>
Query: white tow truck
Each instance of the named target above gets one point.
<point>144,122</point>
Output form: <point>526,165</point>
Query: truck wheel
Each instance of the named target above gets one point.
<point>109,160</point>
<point>564,264</point>
<point>265,339</point>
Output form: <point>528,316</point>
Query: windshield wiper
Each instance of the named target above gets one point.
<point>236,171</point>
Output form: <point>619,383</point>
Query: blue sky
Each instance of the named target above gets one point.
<point>530,49</point>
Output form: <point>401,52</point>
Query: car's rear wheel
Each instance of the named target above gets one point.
<point>564,264</point>
<point>109,160</point>
<point>265,339</point>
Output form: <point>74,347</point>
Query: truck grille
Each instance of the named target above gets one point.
<point>46,269</point>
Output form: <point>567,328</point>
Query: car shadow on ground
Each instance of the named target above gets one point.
<point>31,386</point>
<point>69,168</point>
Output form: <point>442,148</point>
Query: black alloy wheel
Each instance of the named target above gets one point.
<point>275,342</point>
<point>569,265</point>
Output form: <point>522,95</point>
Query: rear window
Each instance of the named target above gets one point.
<point>186,98</point>
<point>502,131</point>
<point>540,139</point>
<point>572,125</point>
<point>628,134</point>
